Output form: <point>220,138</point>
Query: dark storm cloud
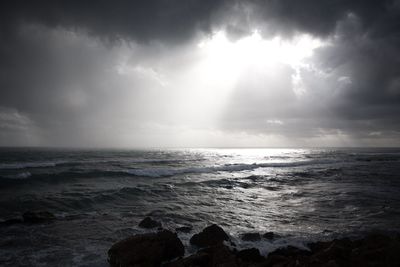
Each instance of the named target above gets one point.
<point>51,66</point>
<point>354,85</point>
<point>139,20</point>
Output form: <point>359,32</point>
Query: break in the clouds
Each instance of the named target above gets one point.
<point>200,73</point>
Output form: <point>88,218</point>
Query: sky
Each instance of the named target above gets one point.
<point>200,73</point>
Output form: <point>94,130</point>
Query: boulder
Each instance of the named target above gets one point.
<point>38,216</point>
<point>210,236</point>
<point>149,223</point>
<point>146,250</point>
<point>251,237</point>
<point>250,255</point>
<point>218,255</point>
<point>289,256</point>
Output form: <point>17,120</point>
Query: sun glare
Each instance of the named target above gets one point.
<point>224,60</point>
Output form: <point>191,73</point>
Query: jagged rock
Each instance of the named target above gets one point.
<point>250,255</point>
<point>149,223</point>
<point>210,236</point>
<point>251,237</point>
<point>38,216</point>
<point>184,229</point>
<point>146,250</point>
<point>269,235</point>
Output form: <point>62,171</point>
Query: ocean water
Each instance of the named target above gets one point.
<point>99,197</point>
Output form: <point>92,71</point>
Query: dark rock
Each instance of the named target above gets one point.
<point>199,259</point>
<point>210,236</point>
<point>218,255</point>
<point>290,251</point>
<point>221,255</point>
<point>38,216</point>
<point>376,250</point>
<point>250,255</point>
<point>336,251</point>
<point>269,235</point>
<point>289,256</point>
<point>184,229</point>
<point>276,260</point>
<point>149,223</point>
<point>146,250</point>
<point>251,237</point>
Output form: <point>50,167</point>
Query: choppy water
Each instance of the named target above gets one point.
<point>100,196</point>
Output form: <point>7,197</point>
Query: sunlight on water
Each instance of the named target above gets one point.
<point>100,196</point>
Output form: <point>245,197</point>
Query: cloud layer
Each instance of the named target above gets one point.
<point>130,73</point>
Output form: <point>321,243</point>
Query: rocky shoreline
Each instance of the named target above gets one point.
<point>215,248</point>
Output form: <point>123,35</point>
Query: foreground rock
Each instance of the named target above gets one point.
<point>165,248</point>
<point>373,250</point>
<point>38,217</point>
<point>218,255</point>
<point>250,255</point>
<point>146,250</point>
<point>210,236</point>
<point>149,223</point>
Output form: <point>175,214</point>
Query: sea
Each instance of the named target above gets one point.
<point>100,195</point>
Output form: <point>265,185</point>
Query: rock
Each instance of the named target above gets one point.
<point>199,259</point>
<point>290,251</point>
<point>146,250</point>
<point>38,216</point>
<point>218,255</point>
<point>149,223</point>
<point>184,229</point>
<point>337,251</point>
<point>269,235</point>
<point>289,256</point>
<point>251,237</point>
<point>210,236</point>
<point>250,255</point>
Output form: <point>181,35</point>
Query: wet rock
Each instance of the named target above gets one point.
<point>269,235</point>
<point>218,255</point>
<point>149,223</point>
<point>376,250</point>
<point>251,237</point>
<point>289,256</point>
<point>38,216</point>
<point>290,251</point>
<point>146,250</point>
<point>184,229</point>
<point>337,251</point>
<point>210,236</point>
<point>250,255</point>
<point>199,259</point>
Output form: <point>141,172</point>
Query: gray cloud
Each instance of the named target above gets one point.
<point>98,73</point>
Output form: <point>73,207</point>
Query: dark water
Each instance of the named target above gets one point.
<point>100,196</point>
